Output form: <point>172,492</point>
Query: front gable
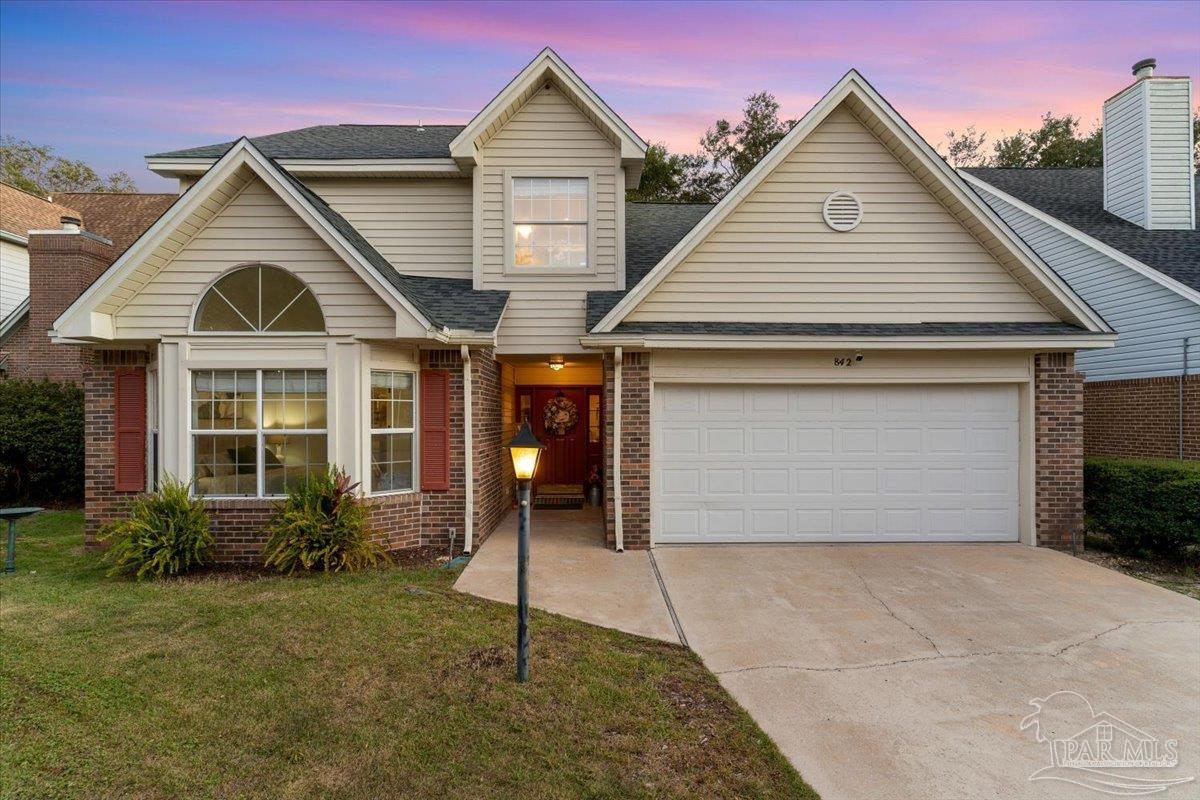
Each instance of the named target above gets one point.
<point>252,226</point>
<point>926,248</point>
<point>277,220</point>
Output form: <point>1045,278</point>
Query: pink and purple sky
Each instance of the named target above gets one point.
<point>110,82</point>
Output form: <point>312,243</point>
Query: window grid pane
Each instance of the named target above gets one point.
<point>550,217</point>
<point>392,419</point>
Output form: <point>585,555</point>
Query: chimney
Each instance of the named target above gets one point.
<point>71,224</point>
<point>1148,172</point>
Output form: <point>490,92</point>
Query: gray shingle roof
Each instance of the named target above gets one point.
<point>1076,197</point>
<point>342,141</point>
<point>854,329</point>
<point>651,230</point>
<point>446,302</point>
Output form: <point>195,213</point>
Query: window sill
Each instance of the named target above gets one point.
<point>392,493</point>
<point>514,271</point>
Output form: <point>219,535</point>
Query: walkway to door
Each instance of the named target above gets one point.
<point>572,573</point>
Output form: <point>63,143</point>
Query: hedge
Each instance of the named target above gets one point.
<point>41,442</point>
<point>1144,505</point>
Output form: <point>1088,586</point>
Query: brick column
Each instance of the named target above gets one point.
<point>61,265</point>
<point>492,500</point>
<point>635,450</point>
<point>1058,414</point>
<point>102,501</point>
<point>443,510</point>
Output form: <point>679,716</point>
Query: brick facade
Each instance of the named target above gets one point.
<point>61,266</point>
<point>635,451</point>
<point>398,521</point>
<point>1058,437</point>
<point>1141,417</point>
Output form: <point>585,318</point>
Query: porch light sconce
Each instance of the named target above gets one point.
<point>556,363</point>
<point>526,452</point>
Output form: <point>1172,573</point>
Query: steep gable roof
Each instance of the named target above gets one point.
<point>431,303</point>
<point>340,141</point>
<point>1076,198</point>
<point>119,217</point>
<point>548,67</point>
<point>21,212</point>
<point>918,158</point>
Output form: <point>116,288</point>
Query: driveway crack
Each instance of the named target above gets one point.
<point>959,656</point>
<point>893,614</point>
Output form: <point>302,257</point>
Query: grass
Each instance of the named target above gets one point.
<point>383,684</point>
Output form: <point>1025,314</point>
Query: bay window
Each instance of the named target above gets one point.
<point>255,433</point>
<point>392,419</point>
<point>550,222</point>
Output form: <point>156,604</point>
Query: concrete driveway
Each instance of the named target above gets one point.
<point>904,671</point>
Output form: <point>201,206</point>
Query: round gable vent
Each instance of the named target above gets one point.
<point>842,211</point>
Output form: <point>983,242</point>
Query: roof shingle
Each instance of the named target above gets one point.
<point>341,142</point>
<point>1076,197</point>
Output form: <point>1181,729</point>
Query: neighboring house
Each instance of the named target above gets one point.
<point>1125,238</point>
<point>20,212</point>
<point>49,278</point>
<point>851,346</point>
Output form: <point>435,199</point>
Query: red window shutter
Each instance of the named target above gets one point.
<point>130,396</point>
<point>435,429</point>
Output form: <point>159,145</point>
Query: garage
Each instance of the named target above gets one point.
<point>835,463</point>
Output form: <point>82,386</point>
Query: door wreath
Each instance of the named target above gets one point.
<point>560,415</point>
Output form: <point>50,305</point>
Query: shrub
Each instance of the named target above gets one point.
<point>41,442</point>
<point>321,525</point>
<point>1144,505</point>
<point>165,533</point>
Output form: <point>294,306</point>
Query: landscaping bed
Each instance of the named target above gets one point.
<point>385,683</point>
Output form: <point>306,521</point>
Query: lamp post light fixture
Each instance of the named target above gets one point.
<point>526,452</point>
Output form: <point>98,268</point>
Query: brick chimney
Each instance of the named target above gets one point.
<point>62,263</point>
<point>1148,172</point>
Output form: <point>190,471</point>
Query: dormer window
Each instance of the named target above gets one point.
<point>550,222</point>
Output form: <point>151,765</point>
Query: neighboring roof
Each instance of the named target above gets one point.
<point>924,163</point>
<point>22,212</point>
<point>446,302</point>
<point>854,329</point>
<point>9,324</point>
<point>1076,197</point>
<point>651,230</point>
<point>341,141</point>
<point>119,217</point>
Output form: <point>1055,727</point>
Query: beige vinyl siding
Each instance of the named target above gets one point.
<point>254,226</point>
<point>14,276</point>
<point>542,322</point>
<point>1124,155</point>
<point>773,259</point>
<point>545,312</point>
<point>1170,154</point>
<point>550,133</point>
<point>421,225</point>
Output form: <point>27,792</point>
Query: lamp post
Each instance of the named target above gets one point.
<point>526,451</point>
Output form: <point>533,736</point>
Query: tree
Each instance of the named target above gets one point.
<point>728,152</point>
<point>735,149</point>
<point>965,149</point>
<point>37,169</point>
<point>1056,144</point>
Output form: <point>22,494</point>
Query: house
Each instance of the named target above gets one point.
<point>851,346</point>
<point>36,284</point>
<point>1124,238</point>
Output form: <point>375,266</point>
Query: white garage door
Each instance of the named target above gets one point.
<point>835,463</point>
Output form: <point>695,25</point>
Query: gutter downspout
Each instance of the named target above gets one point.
<point>1187,341</point>
<point>618,517</point>
<point>468,455</point>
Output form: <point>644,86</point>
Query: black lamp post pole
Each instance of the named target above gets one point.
<point>523,581</point>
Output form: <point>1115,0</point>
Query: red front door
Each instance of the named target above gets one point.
<point>565,458</point>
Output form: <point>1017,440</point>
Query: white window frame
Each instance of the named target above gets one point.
<point>260,433</point>
<point>212,286</point>
<point>371,431</point>
<point>510,252</point>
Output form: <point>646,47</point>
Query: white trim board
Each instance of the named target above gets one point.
<point>99,325</point>
<point>312,167</point>
<point>854,85</point>
<point>1141,268</point>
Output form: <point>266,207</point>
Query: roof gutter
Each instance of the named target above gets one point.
<point>1082,341</point>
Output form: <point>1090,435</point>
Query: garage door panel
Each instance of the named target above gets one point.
<point>860,463</point>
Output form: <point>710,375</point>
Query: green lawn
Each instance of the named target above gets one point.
<point>379,685</point>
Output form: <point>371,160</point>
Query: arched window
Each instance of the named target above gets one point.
<point>261,299</point>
